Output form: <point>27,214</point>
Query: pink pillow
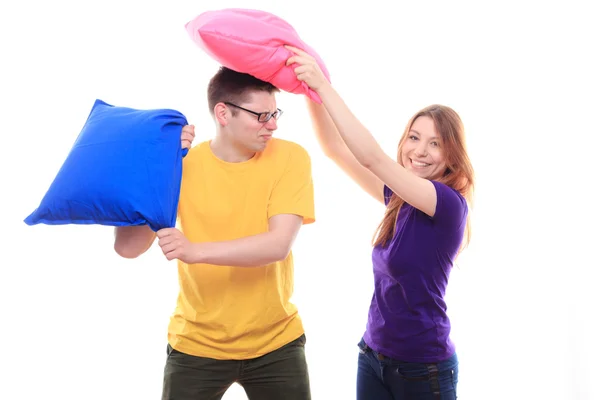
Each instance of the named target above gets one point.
<point>251,42</point>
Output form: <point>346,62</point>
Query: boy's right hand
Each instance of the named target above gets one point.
<point>187,136</point>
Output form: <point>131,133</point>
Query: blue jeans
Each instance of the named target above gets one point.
<point>383,378</point>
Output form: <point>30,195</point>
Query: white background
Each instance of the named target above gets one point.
<point>78,322</point>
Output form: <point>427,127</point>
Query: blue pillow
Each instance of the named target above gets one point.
<point>124,169</point>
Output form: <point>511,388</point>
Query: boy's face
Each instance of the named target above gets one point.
<point>246,128</point>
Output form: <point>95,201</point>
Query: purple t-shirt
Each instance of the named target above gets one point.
<point>407,318</point>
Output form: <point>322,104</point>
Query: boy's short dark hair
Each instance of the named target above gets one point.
<point>235,87</point>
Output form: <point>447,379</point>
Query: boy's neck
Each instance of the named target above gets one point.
<point>228,152</point>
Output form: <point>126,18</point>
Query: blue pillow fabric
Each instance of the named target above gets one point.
<point>124,169</point>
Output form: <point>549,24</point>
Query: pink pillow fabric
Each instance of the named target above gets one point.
<point>251,42</point>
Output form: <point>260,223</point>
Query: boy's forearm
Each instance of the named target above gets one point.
<point>251,251</point>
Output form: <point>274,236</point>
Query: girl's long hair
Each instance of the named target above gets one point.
<point>459,174</point>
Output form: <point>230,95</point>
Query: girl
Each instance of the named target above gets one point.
<point>406,351</point>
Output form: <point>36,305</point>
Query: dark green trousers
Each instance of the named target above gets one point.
<point>281,374</point>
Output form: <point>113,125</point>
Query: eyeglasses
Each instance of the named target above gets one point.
<point>263,116</point>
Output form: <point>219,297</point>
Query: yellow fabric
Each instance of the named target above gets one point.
<point>228,312</point>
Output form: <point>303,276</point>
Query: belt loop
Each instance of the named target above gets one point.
<point>434,381</point>
<point>364,347</point>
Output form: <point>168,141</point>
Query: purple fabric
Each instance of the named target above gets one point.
<point>407,318</point>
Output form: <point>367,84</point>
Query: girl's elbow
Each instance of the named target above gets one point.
<point>368,160</point>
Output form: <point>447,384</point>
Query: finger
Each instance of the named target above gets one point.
<point>163,232</point>
<point>302,77</point>
<point>166,239</point>
<point>170,244</point>
<point>298,60</point>
<point>172,255</point>
<point>186,141</point>
<point>302,69</point>
<point>164,242</point>
<point>296,50</point>
<point>169,248</point>
<point>291,60</point>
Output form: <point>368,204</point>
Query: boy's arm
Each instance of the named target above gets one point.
<point>250,251</point>
<point>290,206</point>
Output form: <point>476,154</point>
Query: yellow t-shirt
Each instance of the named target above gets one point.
<point>228,312</point>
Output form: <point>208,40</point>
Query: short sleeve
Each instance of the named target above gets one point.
<point>294,192</point>
<point>387,194</point>
<point>451,208</point>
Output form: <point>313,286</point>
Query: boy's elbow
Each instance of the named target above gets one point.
<point>282,254</point>
<point>282,251</point>
<point>132,242</point>
<point>129,252</point>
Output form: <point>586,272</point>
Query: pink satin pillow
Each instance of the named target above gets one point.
<point>251,42</point>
